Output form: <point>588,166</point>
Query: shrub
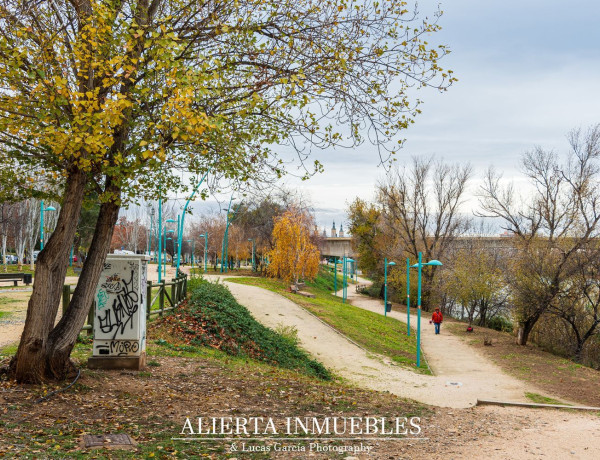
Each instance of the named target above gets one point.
<point>500,323</point>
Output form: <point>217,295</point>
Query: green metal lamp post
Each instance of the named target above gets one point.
<point>177,246</point>
<point>42,209</point>
<point>419,266</point>
<point>253,252</point>
<point>180,224</point>
<point>385,284</point>
<point>345,278</point>
<point>159,239</point>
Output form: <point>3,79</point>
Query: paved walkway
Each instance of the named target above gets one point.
<point>461,374</point>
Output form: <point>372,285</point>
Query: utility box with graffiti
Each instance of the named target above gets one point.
<point>120,314</point>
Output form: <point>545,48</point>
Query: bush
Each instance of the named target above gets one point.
<point>500,323</point>
<point>374,290</point>
<point>214,318</point>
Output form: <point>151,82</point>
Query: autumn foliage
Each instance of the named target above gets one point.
<point>294,256</point>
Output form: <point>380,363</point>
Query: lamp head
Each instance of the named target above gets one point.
<point>349,260</point>
<point>434,262</point>
<point>431,262</point>
<point>50,208</point>
<point>391,263</point>
<point>171,220</point>
<point>170,231</point>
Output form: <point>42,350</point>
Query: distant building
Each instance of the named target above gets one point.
<point>333,231</point>
<point>341,234</point>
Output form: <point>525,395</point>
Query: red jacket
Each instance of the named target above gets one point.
<point>437,317</point>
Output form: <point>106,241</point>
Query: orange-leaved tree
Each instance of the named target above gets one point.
<point>294,256</point>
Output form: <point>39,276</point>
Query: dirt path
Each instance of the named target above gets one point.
<point>523,434</point>
<point>452,360</point>
<point>480,379</point>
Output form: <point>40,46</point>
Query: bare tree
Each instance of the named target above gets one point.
<point>421,212</point>
<point>551,225</point>
<point>578,305</point>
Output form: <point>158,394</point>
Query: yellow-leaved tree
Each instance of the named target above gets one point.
<point>294,255</point>
<point>114,101</point>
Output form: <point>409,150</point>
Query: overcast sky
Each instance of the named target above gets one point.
<point>529,72</point>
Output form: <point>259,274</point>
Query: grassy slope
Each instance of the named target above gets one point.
<point>212,317</point>
<point>376,333</point>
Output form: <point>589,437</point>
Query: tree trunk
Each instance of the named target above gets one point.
<point>30,363</point>
<point>63,337</point>
<point>523,332</point>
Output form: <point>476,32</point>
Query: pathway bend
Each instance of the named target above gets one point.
<point>452,361</point>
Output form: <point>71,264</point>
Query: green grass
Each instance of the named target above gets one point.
<point>8,350</point>
<point>374,332</point>
<point>539,399</point>
<point>4,314</point>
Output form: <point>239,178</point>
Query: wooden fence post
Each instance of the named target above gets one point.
<point>161,297</point>
<point>173,292</point>
<point>148,298</point>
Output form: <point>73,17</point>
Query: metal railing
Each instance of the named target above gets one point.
<point>169,296</point>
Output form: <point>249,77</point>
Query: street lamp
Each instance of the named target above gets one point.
<point>42,209</point>
<point>345,279</point>
<point>183,212</point>
<point>385,284</point>
<point>419,266</point>
<point>159,231</point>
<point>253,260</point>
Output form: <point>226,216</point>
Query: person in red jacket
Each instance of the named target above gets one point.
<point>437,319</point>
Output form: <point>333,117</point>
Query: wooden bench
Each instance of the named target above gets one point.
<point>14,277</point>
